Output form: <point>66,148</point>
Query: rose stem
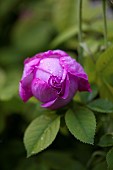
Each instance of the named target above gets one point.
<point>80,50</point>
<point>105,23</point>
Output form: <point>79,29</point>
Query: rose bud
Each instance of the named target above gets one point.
<point>52,77</point>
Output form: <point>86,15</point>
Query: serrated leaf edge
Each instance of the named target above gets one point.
<point>32,152</point>
<point>91,143</point>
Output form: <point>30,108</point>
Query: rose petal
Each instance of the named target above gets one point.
<point>83,85</point>
<point>26,81</point>
<point>73,86</point>
<point>60,102</point>
<point>55,53</point>
<point>30,66</point>
<point>60,53</point>
<point>48,104</point>
<point>67,76</point>
<point>66,85</point>
<point>27,77</point>
<point>42,91</point>
<point>72,66</point>
<point>47,67</point>
<point>25,93</point>
<point>76,69</point>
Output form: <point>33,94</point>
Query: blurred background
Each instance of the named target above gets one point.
<point>26,28</point>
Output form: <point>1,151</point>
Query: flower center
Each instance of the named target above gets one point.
<point>55,82</point>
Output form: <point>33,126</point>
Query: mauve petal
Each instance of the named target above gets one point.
<point>43,75</point>
<point>76,69</point>
<point>73,85</point>
<point>29,66</point>
<point>72,66</point>
<point>83,85</point>
<point>27,77</point>
<point>55,53</point>
<point>48,104</point>
<point>60,53</point>
<point>25,93</point>
<point>64,74</point>
<point>47,67</point>
<point>39,69</point>
<point>66,85</point>
<point>25,87</point>
<point>60,102</point>
<point>42,91</point>
<point>26,81</point>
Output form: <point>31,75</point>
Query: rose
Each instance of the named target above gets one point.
<point>52,77</point>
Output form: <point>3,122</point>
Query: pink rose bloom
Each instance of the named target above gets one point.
<point>52,77</point>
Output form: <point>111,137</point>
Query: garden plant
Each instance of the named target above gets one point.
<point>56,85</point>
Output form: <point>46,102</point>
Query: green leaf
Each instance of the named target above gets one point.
<point>106,140</point>
<point>101,105</point>
<point>104,63</point>
<point>104,69</point>
<point>105,89</point>
<point>41,133</point>
<point>89,67</point>
<point>86,96</point>
<point>82,124</point>
<point>109,159</point>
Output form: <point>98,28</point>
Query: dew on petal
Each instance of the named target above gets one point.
<point>41,61</point>
<point>51,71</point>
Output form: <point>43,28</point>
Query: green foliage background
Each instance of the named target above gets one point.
<point>26,28</point>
